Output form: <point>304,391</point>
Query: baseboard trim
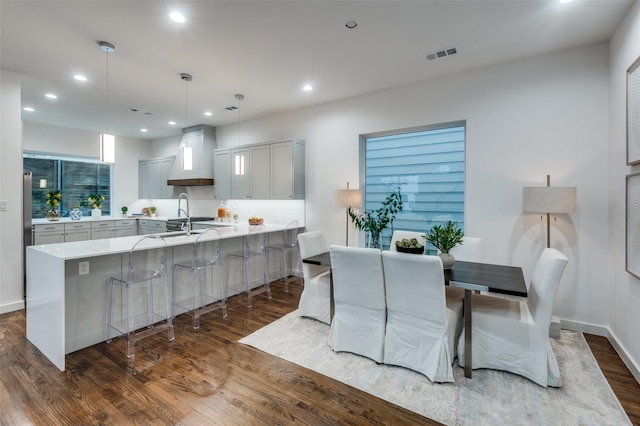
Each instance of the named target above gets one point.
<point>622,352</point>
<point>10,307</point>
<point>599,330</point>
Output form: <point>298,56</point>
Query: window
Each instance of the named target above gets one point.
<point>427,164</point>
<point>76,178</point>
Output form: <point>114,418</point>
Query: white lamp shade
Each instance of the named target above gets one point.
<point>347,198</point>
<point>186,158</point>
<point>107,148</point>
<point>549,199</point>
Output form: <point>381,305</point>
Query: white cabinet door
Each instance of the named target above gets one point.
<point>260,173</point>
<point>102,229</point>
<point>282,171</point>
<point>152,177</point>
<point>48,233</point>
<point>222,179</point>
<point>240,173</point>
<point>144,179</point>
<point>126,228</point>
<point>78,231</point>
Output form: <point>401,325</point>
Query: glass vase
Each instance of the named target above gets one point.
<point>53,215</point>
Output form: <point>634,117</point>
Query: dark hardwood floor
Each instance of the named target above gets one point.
<point>205,377</point>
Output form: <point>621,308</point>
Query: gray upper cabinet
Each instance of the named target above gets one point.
<point>259,172</point>
<point>222,167</point>
<point>287,170</point>
<point>152,177</point>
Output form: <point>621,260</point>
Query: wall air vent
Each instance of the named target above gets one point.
<point>231,108</point>
<point>442,53</point>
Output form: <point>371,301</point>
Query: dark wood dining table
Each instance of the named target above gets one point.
<point>470,276</point>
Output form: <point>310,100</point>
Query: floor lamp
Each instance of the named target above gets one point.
<point>347,198</point>
<point>548,199</point>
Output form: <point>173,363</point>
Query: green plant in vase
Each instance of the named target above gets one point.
<point>378,220</point>
<point>444,238</point>
<point>124,210</point>
<point>153,210</point>
<point>53,201</point>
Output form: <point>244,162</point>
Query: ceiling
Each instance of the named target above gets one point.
<point>265,50</point>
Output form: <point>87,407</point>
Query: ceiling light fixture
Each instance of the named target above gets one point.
<point>307,88</point>
<point>107,140</point>
<point>208,113</point>
<point>143,130</point>
<point>177,17</point>
<point>186,152</point>
<point>28,109</point>
<point>172,123</point>
<point>80,77</point>
<point>351,24</point>
<point>51,96</point>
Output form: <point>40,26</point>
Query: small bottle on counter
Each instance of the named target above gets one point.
<point>222,211</point>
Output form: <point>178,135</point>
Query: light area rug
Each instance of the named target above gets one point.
<point>489,398</point>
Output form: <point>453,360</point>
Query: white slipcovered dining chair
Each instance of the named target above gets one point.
<point>315,299</point>
<point>399,235</point>
<point>422,323</point>
<point>360,309</point>
<point>469,251</point>
<point>513,335</point>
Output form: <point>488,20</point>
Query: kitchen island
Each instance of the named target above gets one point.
<point>67,283</point>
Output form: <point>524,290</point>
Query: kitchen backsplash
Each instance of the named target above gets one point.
<point>273,211</point>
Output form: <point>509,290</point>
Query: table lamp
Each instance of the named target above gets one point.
<point>347,198</point>
<point>548,199</point>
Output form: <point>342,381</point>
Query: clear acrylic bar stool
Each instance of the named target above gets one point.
<point>138,308</point>
<point>287,248</point>
<point>253,249</point>
<point>206,257</point>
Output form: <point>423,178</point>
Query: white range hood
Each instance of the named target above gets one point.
<point>202,141</point>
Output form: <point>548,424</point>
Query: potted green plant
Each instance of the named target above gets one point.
<point>124,210</point>
<point>377,220</point>
<point>153,210</point>
<point>444,238</point>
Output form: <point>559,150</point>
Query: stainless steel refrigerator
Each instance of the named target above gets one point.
<point>27,235</point>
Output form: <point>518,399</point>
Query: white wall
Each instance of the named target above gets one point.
<point>624,289</point>
<point>11,254</point>
<point>525,119</point>
<point>78,143</point>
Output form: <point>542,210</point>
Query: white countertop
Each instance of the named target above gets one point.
<point>93,248</point>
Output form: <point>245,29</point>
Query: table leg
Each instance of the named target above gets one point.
<point>332,304</point>
<point>467,334</point>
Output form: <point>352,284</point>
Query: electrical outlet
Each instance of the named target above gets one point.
<point>83,268</point>
<point>4,205</point>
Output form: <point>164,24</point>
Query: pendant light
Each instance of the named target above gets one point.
<point>239,157</point>
<point>107,141</point>
<point>186,152</point>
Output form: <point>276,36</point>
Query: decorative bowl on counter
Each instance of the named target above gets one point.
<point>256,221</point>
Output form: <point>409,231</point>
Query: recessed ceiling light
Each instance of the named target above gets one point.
<point>172,123</point>
<point>144,130</point>
<point>51,96</point>
<point>351,24</point>
<point>208,113</point>
<point>307,88</point>
<point>565,1</point>
<point>177,17</point>
<point>80,77</point>
<point>28,109</point>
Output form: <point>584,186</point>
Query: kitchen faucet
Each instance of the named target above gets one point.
<point>187,213</point>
